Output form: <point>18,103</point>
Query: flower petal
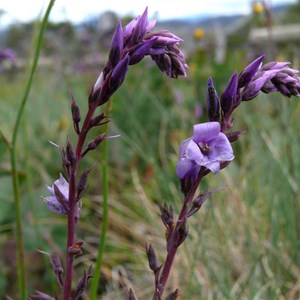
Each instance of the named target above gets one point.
<point>193,152</point>
<point>206,131</point>
<point>54,205</point>
<point>214,166</point>
<point>185,168</point>
<point>222,150</point>
<point>63,186</point>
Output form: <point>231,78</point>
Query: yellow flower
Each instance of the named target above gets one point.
<point>257,8</point>
<point>63,123</point>
<point>198,34</point>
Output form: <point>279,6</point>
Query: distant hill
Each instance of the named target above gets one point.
<point>185,27</point>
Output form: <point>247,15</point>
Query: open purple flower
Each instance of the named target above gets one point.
<point>208,147</point>
<point>58,201</point>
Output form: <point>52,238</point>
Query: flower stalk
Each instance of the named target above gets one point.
<point>129,46</point>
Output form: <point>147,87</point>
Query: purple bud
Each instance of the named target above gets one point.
<point>212,100</point>
<point>182,230</point>
<point>248,73</point>
<point>82,183</point>
<point>96,121</point>
<point>117,45</point>
<point>57,267</point>
<point>253,89</point>
<point>70,154</point>
<point>229,98</point>
<point>118,74</point>
<point>140,28</point>
<point>95,143</point>
<point>152,258</point>
<point>75,115</point>
<point>234,135</point>
<point>274,65</point>
<point>199,200</point>
<point>56,263</point>
<point>140,52</point>
<point>167,215</point>
<point>83,283</point>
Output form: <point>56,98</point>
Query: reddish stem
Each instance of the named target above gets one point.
<point>173,243</point>
<point>73,213</point>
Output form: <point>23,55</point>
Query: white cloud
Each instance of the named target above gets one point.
<point>80,10</point>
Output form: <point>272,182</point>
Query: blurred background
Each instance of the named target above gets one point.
<point>244,243</point>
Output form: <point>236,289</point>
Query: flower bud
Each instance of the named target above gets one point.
<point>173,295</point>
<point>229,96</point>
<point>75,249</point>
<point>70,154</point>
<point>213,103</point>
<point>116,45</point>
<point>152,258</point>
<point>75,115</point>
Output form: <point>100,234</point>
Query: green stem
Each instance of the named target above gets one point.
<point>13,160</point>
<point>102,240</point>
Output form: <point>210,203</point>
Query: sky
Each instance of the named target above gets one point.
<point>80,10</point>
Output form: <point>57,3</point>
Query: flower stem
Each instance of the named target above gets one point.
<point>72,215</point>
<point>173,243</point>
<point>13,158</point>
<point>101,246</point>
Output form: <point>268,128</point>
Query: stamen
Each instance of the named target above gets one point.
<point>205,149</point>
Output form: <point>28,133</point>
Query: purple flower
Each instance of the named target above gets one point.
<point>208,147</point>
<point>7,54</point>
<point>58,201</point>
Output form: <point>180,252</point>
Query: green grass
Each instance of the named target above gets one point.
<point>243,243</point>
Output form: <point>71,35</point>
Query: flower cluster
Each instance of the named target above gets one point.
<point>255,78</point>
<point>271,77</point>
<point>209,148</point>
<point>129,46</point>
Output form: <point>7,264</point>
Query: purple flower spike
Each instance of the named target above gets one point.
<point>273,77</point>
<point>248,73</point>
<point>53,202</point>
<point>208,147</point>
<point>129,46</point>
